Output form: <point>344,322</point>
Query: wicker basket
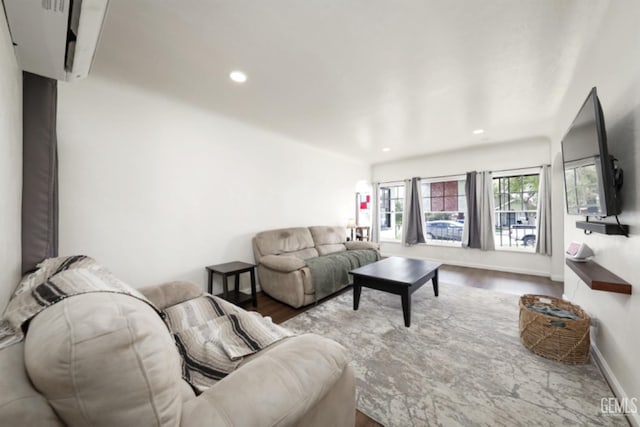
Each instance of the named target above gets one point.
<point>564,340</point>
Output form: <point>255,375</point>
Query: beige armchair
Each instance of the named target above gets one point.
<point>105,359</point>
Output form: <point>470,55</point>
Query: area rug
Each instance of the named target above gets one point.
<point>460,363</point>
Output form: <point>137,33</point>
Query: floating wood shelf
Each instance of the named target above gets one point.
<point>599,278</point>
<point>603,227</point>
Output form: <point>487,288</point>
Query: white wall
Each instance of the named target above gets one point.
<point>510,155</point>
<point>613,65</point>
<point>10,165</point>
<point>156,190</point>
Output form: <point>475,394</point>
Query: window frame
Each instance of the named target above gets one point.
<point>385,202</point>
<point>512,215</point>
<point>462,208</point>
<point>390,212</point>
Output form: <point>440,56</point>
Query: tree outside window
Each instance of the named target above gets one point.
<point>516,203</point>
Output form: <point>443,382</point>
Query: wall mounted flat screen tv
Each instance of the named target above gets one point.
<point>591,177</point>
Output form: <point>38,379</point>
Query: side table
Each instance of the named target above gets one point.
<point>234,268</point>
<point>363,233</point>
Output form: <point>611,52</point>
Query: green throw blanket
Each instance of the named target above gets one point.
<point>330,273</point>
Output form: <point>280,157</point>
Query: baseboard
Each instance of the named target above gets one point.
<point>478,266</point>
<point>601,362</point>
<point>557,278</point>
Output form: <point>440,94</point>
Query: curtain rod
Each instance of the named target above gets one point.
<point>517,169</point>
<point>459,174</point>
<point>430,177</point>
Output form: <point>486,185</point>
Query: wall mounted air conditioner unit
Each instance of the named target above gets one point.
<point>56,38</point>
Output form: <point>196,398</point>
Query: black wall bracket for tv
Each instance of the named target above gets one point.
<point>603,227</point>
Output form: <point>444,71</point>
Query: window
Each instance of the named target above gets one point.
<point>516,202</point>
<point>391,208</point>
<point>385,208</point>
<point>444,205</point>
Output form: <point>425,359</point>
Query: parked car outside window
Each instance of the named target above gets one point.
<point>444,230</point>
<point>526,233</point>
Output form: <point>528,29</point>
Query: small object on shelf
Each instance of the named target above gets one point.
<point>234,268</point>
<point>578,252</point>
<point>599,278</point>
<point>558,338</point>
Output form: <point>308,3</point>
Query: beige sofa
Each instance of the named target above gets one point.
<point>106,359</point>
<point>281,254</point>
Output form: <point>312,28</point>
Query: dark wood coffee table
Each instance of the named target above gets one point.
<point>396,275</point>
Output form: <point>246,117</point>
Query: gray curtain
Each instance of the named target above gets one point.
<point>471,230</point>
<point>414,214</point>
<point>543,221</point>
<point>375,212</point>
<point>479,223</point>
<point>39,170</point>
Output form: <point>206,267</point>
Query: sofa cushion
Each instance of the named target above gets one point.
<point>283,263</point>
<point>330,249</point>
<point>105,359</point>
<point>20,403</point>
<point>329,239</point>
<point>285,240</point>
<point>357,244</point>
<point>304,253</point>
<point>171,293</point>
<point>324,235</point>
<point>296,374</point>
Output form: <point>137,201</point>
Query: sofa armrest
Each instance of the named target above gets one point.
<point>279,387</point>
<point>171,293</point>
<point>282,263</point>
<point>356,244</point>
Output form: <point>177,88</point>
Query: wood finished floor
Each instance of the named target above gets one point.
<point>512,283</point>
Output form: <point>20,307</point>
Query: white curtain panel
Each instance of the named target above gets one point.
<point>486,210</point>
<point>375,213</point>
<point>543,221</point>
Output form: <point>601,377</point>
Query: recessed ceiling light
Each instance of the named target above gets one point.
<point>478,131</point>
<point>238,76</point>
<point>385,149</point>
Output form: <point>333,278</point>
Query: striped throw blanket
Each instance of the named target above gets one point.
<point>213,336</point>
<point>54,280</point>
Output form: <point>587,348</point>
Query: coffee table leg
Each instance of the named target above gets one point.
<point>406,307</point>
<point>356,295</point>
<point>435,283</point>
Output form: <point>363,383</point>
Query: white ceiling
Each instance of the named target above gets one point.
<point>354,76</point>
